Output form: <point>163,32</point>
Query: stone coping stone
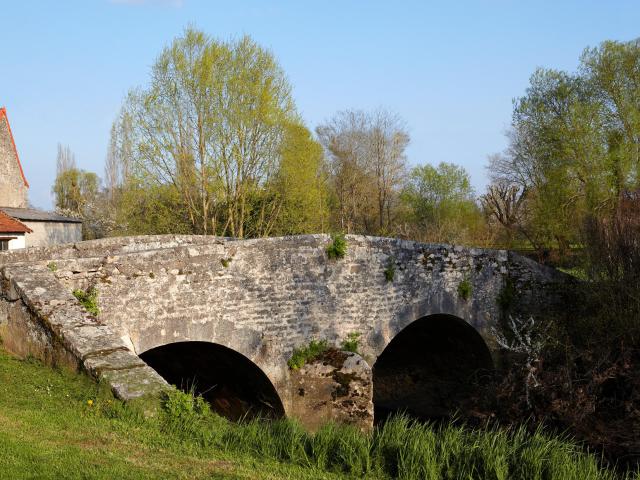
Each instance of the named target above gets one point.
<point>121,359</point>
<point>134,383</point>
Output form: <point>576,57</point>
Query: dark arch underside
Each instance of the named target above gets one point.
<point>235,387</point>
<point>429,369</point>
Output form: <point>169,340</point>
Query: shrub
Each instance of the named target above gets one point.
<point>188,416</point>
<point>88,299</point>
<point>351,342</point>
<point>225,262</point>
<point>178,404</point>
<point>302,355</point>
<point>53,266</point>
<point>465,289</point>
<point>390,270</point>
<point>338,247</point>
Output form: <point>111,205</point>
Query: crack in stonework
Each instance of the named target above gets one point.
<point>106,368</point>
<point>105,352</point>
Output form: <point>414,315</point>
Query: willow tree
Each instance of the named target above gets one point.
<point>209,126</point>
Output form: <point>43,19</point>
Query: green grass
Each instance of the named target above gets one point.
<point>50,430</point>
<point>577,272</point>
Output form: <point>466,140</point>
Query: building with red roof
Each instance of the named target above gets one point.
<point>20,225</point>
<point>12,232</point>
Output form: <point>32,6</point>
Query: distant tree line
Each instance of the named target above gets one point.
<point>214,145</point>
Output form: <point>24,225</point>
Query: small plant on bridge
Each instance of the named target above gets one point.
<point>88,299</point>
<point>53,266</point>
<point>302,355</point>
<point>390,270</point>
<point>338,247</point>
<point>351,343</point>
<point>465,289</point>
<point>225,262</point>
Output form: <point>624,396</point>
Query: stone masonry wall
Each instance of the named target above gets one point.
<point>13,191</point>
<point>335,387</point>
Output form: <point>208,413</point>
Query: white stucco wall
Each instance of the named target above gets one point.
<point>52,233</point>
<point>18,242</point>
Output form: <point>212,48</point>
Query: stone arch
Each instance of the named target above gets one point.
<point>428,368</point>
<point>235,386</point>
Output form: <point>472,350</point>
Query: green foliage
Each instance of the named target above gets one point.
<point>465,289</point>
<point>52,266</point>
<point>507,294</point>
<point>577,272</point>
<point>390,270</point>
<point>338,247</point>
<point>225,262</point>
<point>74,189</point>
<point>145,208</point>
<point>300,184</point>
<point>573,146</point>
<point>178,404</point>
<point>440,204</point>
<point>302,355</point>
<point>88,299</point>
<point>350,344</point>
<point>77,194</point>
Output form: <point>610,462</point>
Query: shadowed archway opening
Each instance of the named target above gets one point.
<point>235,387</point>
<point>429,369</point>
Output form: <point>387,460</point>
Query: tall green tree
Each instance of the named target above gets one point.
<point>73,189</point>
<point>301,184</point>
<point>77,193</point>
<point>210,126</point>
<point>574,144</point>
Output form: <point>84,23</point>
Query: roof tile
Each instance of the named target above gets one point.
<point>11,225</point>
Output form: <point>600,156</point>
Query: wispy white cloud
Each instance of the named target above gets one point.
<point>150,3</point>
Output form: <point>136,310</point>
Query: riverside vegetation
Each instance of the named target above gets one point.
<point>55,424</point>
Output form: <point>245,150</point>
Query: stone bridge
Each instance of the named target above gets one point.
<point>223,316</point>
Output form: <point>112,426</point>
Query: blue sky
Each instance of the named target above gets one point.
<point>450,69</point>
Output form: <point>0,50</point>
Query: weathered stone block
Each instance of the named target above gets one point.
<point>336,386</point>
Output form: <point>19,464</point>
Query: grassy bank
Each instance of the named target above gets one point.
<point>59,425</point>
